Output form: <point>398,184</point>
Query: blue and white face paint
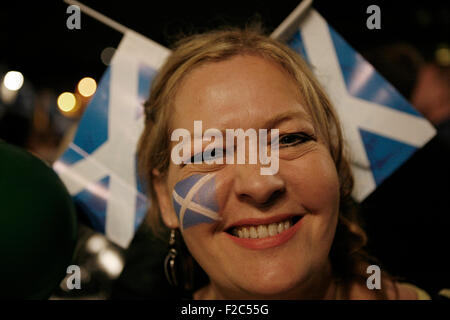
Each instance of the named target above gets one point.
<point>194,200</point>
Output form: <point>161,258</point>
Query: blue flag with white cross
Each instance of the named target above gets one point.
<point>382,129</point>
<point>99,166</point>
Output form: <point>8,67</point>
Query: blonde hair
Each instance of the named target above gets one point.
<point>154,153</point>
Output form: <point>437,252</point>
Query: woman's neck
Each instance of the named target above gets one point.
<point>322,286</point>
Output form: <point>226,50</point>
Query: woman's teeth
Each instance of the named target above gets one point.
<point>262,231</point>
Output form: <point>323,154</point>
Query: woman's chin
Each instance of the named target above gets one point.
<point>269,287</point>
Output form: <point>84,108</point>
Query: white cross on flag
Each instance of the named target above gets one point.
<point>99,167</point>
<point>380,126</point>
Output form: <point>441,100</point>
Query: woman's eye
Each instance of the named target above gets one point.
<point>207,155</point>
<point>294,139</point>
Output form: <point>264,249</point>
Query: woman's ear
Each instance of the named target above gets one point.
<point>168,214</point>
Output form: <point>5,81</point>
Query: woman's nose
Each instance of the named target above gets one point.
<point>252,187</point>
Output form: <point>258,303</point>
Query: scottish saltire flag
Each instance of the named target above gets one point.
<point>194,200</point>
<point>381,128</point>
<point>99,167</point>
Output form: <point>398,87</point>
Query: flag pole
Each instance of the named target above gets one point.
<point>290,24</point>
<point>98,16</point>
<point>282,32</point>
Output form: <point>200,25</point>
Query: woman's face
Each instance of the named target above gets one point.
<point>275,231</point>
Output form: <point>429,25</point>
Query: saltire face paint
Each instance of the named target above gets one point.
<point>194,200</point>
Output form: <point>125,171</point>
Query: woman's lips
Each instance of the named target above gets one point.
<point>256,222</point>
<point>270,241</point>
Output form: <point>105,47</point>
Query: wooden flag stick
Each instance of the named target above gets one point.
<point>282,32</point>
<point>98,16</point>
<point>290,24</point>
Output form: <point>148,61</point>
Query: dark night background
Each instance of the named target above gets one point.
<point>36,40</point>
<point>406,217</point>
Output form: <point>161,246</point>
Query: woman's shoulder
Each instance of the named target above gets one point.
<point>396,290</point>
<point>406,291</point>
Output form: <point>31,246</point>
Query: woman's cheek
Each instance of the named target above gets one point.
<point>313,180</point>
<point>195,201</point>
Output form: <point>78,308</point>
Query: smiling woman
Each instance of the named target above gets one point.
<point>289,235</point>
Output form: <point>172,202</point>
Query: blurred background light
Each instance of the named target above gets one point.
<point>67,102</point>
<point>13,80</point>
<point>442,55</point>
<point>107,55</point>
<point>96,243</point>
<point>111,262</point>
<point>87,87</point>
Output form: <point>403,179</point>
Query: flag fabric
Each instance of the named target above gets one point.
<point>381,128</point>
<point>99,167</point>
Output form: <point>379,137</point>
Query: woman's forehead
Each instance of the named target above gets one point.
<point>244,91</point>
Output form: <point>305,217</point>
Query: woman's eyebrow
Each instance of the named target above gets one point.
<point>269,124</point>
<point>286,116</point>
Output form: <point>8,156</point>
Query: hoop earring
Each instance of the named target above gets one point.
<point>169,262</point>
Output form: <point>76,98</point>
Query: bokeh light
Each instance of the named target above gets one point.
<point>442,55</point>
<point>111,262</point>
<point>87,87</point>
<point>107,55</point>
<point>13,80</point>
<point>67,102</point>
<point>96,243</point>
